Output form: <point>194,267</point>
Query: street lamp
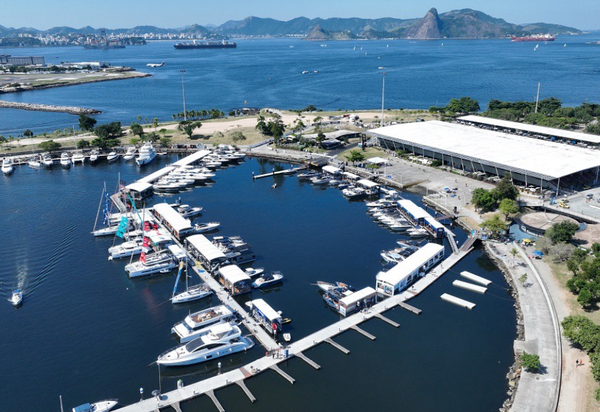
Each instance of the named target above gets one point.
<point>183,94</point>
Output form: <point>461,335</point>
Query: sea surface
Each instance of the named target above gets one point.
<point>87,332</point>
<point>268,73</point>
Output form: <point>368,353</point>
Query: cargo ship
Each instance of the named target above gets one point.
<point>533,37</point>
<point>206,45</point>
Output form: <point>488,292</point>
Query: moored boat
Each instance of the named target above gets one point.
<point>78,157</point>
<point>130,155</point>
<point>160,262</point>
<point>7,166</point>
<point>65,160</point>
<point>194,324</point>
<point>206,227</point>
<point>35,162</point>
<point>112,157</point>
<point>268,279</point>
<point>252,272</point>
<point>146,154</point>
<point>94,156</point>
<point>102,406</point>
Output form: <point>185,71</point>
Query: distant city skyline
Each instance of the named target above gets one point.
<point>40,14</point>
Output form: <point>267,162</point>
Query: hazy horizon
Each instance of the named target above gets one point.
<point>115,14</point>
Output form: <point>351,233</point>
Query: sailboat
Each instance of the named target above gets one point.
<point>191,293</point>
<point>108,230</point>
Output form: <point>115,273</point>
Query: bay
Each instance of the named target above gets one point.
<point>87,332</point>
<point>268,73</point>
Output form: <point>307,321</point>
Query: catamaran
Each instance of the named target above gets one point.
<point>94,156</point>
<point>160,262</point>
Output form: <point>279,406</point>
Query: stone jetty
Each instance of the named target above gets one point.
<point>47,108</point>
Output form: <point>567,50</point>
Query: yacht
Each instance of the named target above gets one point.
<point>206,227</point>
<point>326,286</point>
<point>130,155</point>
<point>215,342</point>
<point>417,232</point>
<point>307,175</point>
<point>7,166</point>
<point>47,161</point>
<point>126,249</point>
<point>35,162</point>
<point>106,231</point>
<point>102,406</point>
<point>353,192</point>
<point>149,265</point>
<point>94,156</point>
<point>392,256</point>
<point>78,157</point>
<point>17,297</point>
<point>254,272</point>
<point>192,293</point>
<point>147,154</point>
<point>112,156</point>
<point>267,280</point>
<point>318,180</point>
<point>65,160</point>
<point>189,212</point>
<point>196,323</point>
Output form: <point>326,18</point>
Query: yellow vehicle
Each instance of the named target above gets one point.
<point>564,205</point>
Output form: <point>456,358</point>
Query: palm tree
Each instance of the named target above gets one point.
<point>514,252</point>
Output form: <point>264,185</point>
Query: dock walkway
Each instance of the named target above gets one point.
<point>207,387</point>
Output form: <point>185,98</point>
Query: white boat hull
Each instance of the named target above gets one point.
<point>190,295</point>
<point>241,344</point>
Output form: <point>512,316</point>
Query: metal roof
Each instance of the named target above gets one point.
<point>532,128</point>
<point>233,274</point>
<point>332,169</point>
<point>266,309</point>
<point>367,183</point>
<point>156,175</point>
<point>532,157</point>
<point>415,211</point>
<point>412,263</point>
<point>358,296</point>
<point>139,186</point>
<point>205,247</point>
<point>171,216</point>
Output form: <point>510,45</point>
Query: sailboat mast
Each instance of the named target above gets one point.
<point>99,206</point>
<point>537,98</point>
<point>61,404</point>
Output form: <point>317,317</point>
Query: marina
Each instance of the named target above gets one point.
<point>302,342</point>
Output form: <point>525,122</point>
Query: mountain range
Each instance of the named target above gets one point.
<point>456,24</point>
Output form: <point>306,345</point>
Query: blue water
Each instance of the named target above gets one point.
<point>267,72</point>
<point>87,332</point>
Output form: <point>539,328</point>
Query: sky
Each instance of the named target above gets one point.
<point>43,14</point>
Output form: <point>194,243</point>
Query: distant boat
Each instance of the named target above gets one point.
<point>17,297</point>
<point>266,280</point>
<point>112,157</point>
<point>304,71</point>
<point>206,45</point>
<point>533,38</point>
<point>156,64</point>
<point>102,406</point>
<point>7,166</point>
<point>65,160</point>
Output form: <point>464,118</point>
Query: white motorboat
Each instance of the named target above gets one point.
<point>7,166</point>
<point>254,272</point>
<point>146,154</point>
<point>163,186</point>
<point>189,212</point>
<point>217,341</point>
<point>307,175</point>
<point>417,232</point>
<point>287,337</point>
<point>47,160</point>
<point>267,279</point>
<point>195,324</point>
<point>102,406</point>
<point>149,265</point>
<point>78,157</point>
<point>326,286</point>
<point>130,155</point>
<point>112,157</point>
<point>106,231</point>
<point>35,162</point>
<point>65,160</point>
<point>94,156</point>
<point>126,249</point>
<point>353,192</point>
<point>206,227</point>
<point>317,180</point>
<point>191,293</point>
<point>392,256</point>
<point>17,297</point>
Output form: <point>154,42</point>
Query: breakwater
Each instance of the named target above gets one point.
<point>48,108</point>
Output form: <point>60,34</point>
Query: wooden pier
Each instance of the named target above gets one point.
<point>237,376</point>
<point>278,172</point>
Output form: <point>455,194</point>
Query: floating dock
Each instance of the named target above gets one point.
<point>469,286</point>
<point>278,172</point>
<point>458,301</point>
<point>475,278</point>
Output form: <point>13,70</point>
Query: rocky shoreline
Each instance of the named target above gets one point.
<point>48,108</point>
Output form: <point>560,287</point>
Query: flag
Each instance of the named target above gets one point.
<point>146,242</point>
<point>143,257</point>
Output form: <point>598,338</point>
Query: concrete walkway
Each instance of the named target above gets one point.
<point>536,391</point>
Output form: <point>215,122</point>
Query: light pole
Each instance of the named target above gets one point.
<point>382,95</point>
<point>183,94</point>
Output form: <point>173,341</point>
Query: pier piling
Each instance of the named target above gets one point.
<point>213,397</point>
<point>337,346</point>
<point>242,385</point>
<point>409,308</point>
<point>383,318</point>
<point>363,332</point>
<point>308,360</point>
<point>283,374</point>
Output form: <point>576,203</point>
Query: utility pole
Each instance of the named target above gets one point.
<point>382,96</point>
<point>183,94</point>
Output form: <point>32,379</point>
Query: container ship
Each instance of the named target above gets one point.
<point>206,45</point>
<point>533,37</point>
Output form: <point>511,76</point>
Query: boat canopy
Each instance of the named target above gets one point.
<point>332,170</point>
<point>170,216</point>
<point>410,265</point>
<point>156,175</point>
<point>367,183</point>
<point>193,158</point>
<point>266,310</point>
<point>205,248</point>
<point>357,296</point>
<point>232,274</point>
<point>86,407</point>
<point>177,252</point>
<point>412,209</point>
<point>139,186</point>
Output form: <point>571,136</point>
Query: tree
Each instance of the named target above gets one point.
<point>135,140</point>
<point>261,126</point>
<point>505,189</point>
<point>530,362</point>
<point>585,297</point>
<point>108,135</point>
<point>86,122</point>
<point>544,245</point>
<point>309,108</point>
<point>463,105</point>
<point>28,133</point>
<point>165,141</point>
<point>136,129</point>
<point>50,146</point>
<point>83,144</point>
<point>155,124</point>
<point>189,127</point>
<point>276,127</point>
<point>483,199</point>
<point>355,156</point>
<point>318,119</point>
<point>562,232</point>
<point>508,207</point>
<point>320,138</point>
<point>495,226</point>
<point>523,278</point>
<point>562,252</point>
<point>582,332</point>
<point>237,136</point>
<point>514,252</point>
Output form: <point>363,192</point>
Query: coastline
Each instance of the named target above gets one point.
<point>47,108</point>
